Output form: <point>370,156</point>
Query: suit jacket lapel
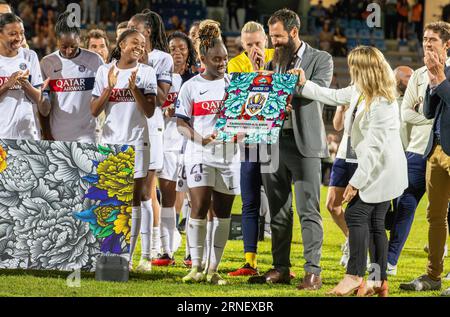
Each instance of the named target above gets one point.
<point>306,58</point>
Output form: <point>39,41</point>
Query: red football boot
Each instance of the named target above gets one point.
<point>163,260</point>
<point>246,270</point>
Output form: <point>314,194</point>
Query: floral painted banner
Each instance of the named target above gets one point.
<point>62,204</point>
<point>255,107</point>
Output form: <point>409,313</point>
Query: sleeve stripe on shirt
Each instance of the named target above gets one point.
<point>182,117</point>
<point>165,81</point>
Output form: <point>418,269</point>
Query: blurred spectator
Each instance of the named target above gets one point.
<point>354,10</point>
<point>390,22</point>
<point>39,20</point>
<point>326,38</point>
<point>327,163</point>
<point>341,9</point>
<point>107,8</point>
<point>318,14</point>
<point>339,43</point>
<point>51,19</point>
<point>127,8</point>
<point>122,26</point>
<point>107,14</point>
<point>27,16</point>
<point>41,42</point>
<point>402,19</point>
<point>89,11</point>
<point>402,76</point>
<point>238,43</point>
<point>251,13</point>
<point>97,41</point>
<point>334,85</point>
<point>417,19</point>
<point>446,13</point>
<point>233,6</point>
<point>176,25</point>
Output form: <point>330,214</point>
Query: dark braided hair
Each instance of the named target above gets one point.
<point>209,35</point>
<point>116,53</point>
<point>192,56</point>
<point>8,18</point>
<point>62,25</point>
<point>153,21</point>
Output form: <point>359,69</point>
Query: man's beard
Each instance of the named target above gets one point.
<point>284,54</point>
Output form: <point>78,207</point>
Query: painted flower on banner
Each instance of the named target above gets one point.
<point>18,177</point>
<point>2,159</point>
<point>112,189</point>
<point>42,188</point>
<point>122,225</point>
<point>116,175</point>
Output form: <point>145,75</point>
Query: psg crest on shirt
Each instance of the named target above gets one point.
<point>23,66</point>
<point>255,106</point>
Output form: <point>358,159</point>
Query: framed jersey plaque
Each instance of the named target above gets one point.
<point>255,107</point>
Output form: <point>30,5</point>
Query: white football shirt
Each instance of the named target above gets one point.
<point>125,122</point>
<point>162,63</point>
<point>199,102</point>
<point>71,85</point>
<point>18,119</point>
<point>173,140</point>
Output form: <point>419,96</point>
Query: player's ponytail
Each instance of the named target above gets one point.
<point>209,35</point>
<point>153,21</point>
<point>63,25</point>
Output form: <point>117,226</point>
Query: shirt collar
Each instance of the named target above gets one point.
<point>301,50</point>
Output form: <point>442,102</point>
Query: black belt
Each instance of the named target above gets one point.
<point>287,132</point>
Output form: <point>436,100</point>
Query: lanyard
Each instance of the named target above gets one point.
<point>360,99</point>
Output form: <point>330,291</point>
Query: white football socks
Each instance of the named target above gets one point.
<point>135,226</point>
<point>196,233</point>
<point>188,216</point>
<point>146,228</point>
<point>168,227</point>
<point>220,233</point>
<point>208,243</point>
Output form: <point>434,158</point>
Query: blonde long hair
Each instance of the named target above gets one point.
<point>371,74</point>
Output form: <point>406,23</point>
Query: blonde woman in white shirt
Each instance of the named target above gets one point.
<point>381,174</point>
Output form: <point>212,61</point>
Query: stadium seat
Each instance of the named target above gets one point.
<point>350,33</point>
<point>351,43</point>
<point>364,34</point>
<point>355,24</point>
<point>380,44</point>
<point>378,34</point>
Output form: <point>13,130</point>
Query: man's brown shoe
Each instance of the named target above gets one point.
<point>273,276</point>
<point>311,282</point>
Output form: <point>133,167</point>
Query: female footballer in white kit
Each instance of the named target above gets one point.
<point>20,83</point>
<point>212,167</point>
<point>183,54</point>
<point>151,26</point>
<point>126,90</point>
<point>71,71</point>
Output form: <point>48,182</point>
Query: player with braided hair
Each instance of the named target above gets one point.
<point>212,167</point>
<point>71,71</point>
